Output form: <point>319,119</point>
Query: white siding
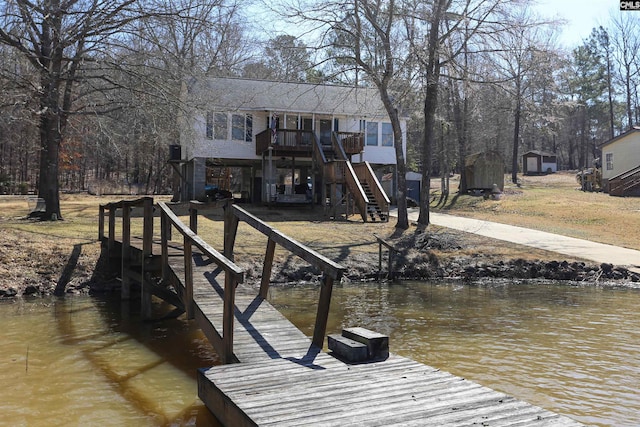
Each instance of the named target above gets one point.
<point>626,155</point>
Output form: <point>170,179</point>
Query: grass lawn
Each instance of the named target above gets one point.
<point>554,203</point>
<point>65,253</point>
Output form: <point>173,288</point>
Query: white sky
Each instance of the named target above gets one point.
<point>581,16</point>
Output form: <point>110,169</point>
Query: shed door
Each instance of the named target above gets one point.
<point>532,164</point>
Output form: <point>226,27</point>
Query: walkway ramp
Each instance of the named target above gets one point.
<point>274,375</point>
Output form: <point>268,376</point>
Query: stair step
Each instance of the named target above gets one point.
<point>377,344</point>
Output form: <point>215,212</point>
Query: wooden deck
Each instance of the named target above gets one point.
<point>275,375</point>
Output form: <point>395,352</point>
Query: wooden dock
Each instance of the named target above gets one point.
<point>272,374</point>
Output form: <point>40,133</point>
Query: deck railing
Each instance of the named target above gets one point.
<point>285,139</point>
<point>351,142</point>
<point>232,273</point>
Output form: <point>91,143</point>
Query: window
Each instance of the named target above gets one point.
<point>387,135</point>
<point>372,133</point>
<point>609,161</point>
<point>209,127</point>
<point>242,127</point>
<point>220,126</point>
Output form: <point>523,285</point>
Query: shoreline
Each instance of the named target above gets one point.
<point>30,269</point>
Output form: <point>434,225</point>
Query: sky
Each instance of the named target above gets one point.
<point>581,16</point>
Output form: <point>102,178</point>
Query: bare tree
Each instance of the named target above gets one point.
<point>57,37</point>
<point>362,36</point>
<point>626,43</point>
<point>431,25</point>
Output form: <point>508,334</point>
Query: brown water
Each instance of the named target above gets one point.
<point>88,361</point>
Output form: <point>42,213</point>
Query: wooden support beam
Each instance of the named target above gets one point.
<point>230,230</point>
<point>322,315</point>
<point>147,232</point>
<point>112,230</point>
<point>165,236</point>
<point>125,256</point>
<point>193,218</point>
<point>101,224</point>
<point>267,268</point>
<point>228,317</point>
<point>188,277</point>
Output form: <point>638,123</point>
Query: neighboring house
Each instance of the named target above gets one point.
<point>277,142</point>
<point>621,164</point>
<point>536,162</point>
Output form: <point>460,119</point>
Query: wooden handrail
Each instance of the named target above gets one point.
<point>360,196</point>
<point>365,173</point>
<point>126,253</point>
<point>331,271</point>
<point>392,252</point>
<point>233,275</point>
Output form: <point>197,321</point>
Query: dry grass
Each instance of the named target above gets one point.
<point>65,253</point>
<point>555,204</point>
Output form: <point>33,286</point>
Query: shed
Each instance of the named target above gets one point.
<point>484,169</point>
<point>536,162</point>
<point>414,181</point>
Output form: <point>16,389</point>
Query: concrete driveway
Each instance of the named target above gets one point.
<point>578,248</point>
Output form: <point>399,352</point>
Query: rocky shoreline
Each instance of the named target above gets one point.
<point>426,257</point>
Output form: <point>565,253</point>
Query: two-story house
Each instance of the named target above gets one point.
<point>278,142</point>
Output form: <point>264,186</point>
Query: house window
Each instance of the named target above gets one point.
<point>372,133</point>
<point>609,161</point>
<point>242,127</point>
<point>220,126</point>
<point>387,135</point>
<point>209,127</point>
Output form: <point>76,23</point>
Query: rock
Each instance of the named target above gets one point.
<point>9,293</point>
<point>31,290</point>
<point>606,268</point>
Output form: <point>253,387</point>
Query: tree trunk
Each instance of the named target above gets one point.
<point>430,106</point>
<point>48,188</point>
<point>516,137</point>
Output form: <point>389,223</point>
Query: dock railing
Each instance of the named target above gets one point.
<point>331,271</point>
<point>233,275</point>
<point>127,256</point>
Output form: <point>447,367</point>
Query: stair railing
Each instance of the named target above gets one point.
<point>359,195</point>
<point>365,174</point>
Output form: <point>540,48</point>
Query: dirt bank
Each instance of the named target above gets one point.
<point>32,264</point>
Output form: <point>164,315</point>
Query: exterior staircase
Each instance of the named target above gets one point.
<point>625,184</point>
<point>360,186</point>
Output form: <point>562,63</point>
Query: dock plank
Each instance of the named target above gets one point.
<point>282,379</point>
<point>368,394</point>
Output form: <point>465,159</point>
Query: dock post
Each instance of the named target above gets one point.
<point>147,245</point>
<point>125,256</point>
<point>230,230</point>
<point>322,316</point>
<point>188,277</point>
<point>267,267</point>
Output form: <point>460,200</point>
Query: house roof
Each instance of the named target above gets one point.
<point>230,94</point>
<point>540,153</point>
<point>622,135</point>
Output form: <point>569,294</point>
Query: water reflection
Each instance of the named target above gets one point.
<point>573,350</point>
<point>85,361</point>
<point>89,361</point>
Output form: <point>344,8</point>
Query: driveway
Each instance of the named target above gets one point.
<point>578,248</point>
